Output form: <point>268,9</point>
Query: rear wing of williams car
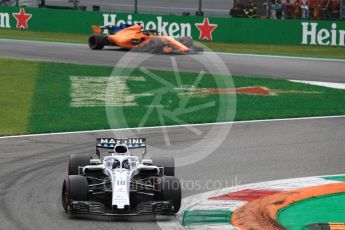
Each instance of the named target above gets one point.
<point>110,143</point>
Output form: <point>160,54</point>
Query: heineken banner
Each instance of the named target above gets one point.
<point>253,31</point>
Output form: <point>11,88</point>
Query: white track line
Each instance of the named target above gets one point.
<point>177,126</point>
<point>321,83</point>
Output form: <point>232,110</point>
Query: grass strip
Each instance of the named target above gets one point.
<point>42,36</point>
<point>18,82</point>
<point>283,50</point>
<point>42,97</point>
<point>322,209</point>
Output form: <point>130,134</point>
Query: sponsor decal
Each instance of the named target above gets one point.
<point>173,29</point>
<point>5,20</point>
<point>205,29</point>
<point>120,188</point>
<point>313,35</point>
<point>121,141</point>
<point>252,90</point>
<point>88,91</point>
<point>22,19</point>
<point>166,28</point>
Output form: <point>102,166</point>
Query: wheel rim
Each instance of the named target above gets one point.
<point>69,167</point>
<point>152,45</point>
<point>65,197</point>
<point>92,42</point>
<point>167,49</point>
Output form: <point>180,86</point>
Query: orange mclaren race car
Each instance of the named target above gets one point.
<point>135,38</point>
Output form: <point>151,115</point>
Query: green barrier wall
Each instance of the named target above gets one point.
<point>254,31</point>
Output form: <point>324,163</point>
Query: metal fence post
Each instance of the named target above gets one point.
<point>75,3</point>
<point>200,6</point>
<point>135,6</point>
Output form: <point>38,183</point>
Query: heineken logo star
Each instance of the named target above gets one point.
<point>205,29</point>
<point>22,19</point>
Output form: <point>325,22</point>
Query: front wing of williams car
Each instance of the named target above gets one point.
<point>95,208</point>
<point>121,184</point>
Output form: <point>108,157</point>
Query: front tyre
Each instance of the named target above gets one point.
<point>168,164</point>
<point>76,161</point>
<point>74,188</point>
<point>170,190</point>
<point>96,42</point>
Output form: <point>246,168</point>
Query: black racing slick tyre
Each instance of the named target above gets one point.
<point>74,188</point>
<point>156,46</point>
<point>197,49</point>
<point>187,41</point>
<point>168,164</point>
<point>96,42</point>
<point>170,190</point>
<point>76,161</point>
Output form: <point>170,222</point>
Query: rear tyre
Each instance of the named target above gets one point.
<point>168,163</point>
<point>156,45</point>
<point>96,42</point>
<point>187,41</point>
<point>170,190</point>
<point>74,188</point>
<point>197,49</point>
<point>76,161</point>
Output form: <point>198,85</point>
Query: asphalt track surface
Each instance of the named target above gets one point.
<point>33,168</point>
<point>243,65</point>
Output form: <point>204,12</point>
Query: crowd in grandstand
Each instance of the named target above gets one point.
<point>243,11</point>
<point>293,9</point>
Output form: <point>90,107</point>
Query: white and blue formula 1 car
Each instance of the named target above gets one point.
<point>119,183</point>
